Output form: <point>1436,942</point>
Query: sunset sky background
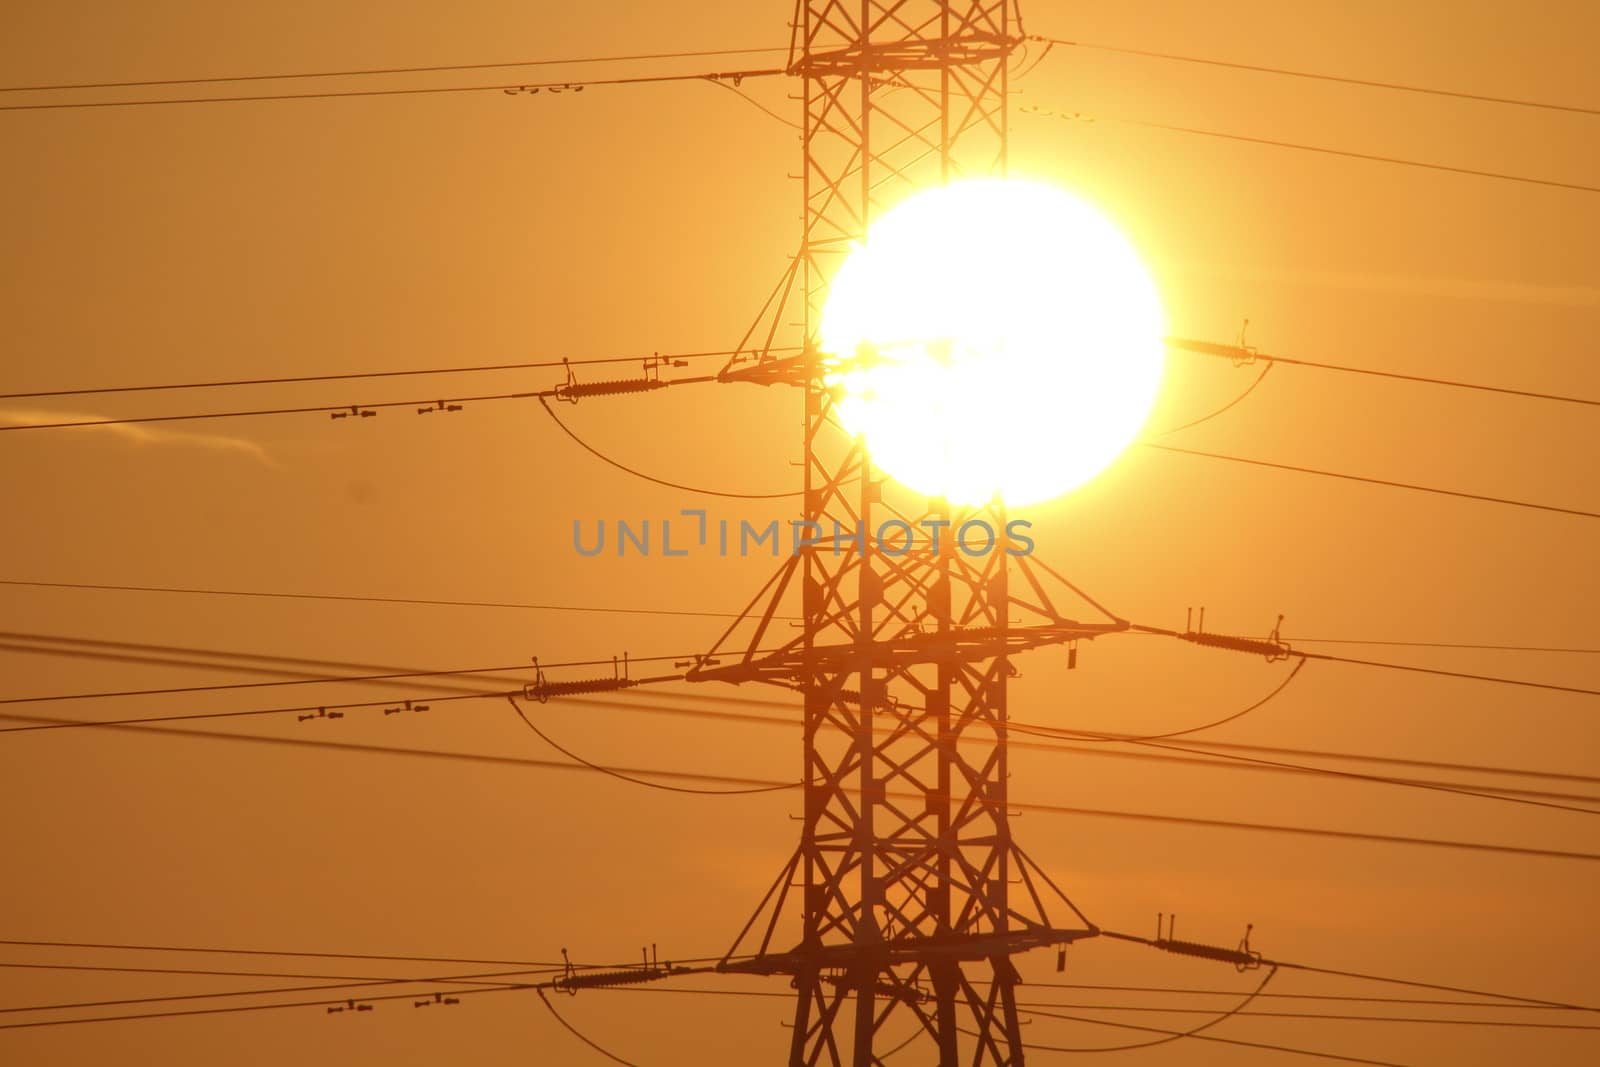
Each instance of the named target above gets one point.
<point>217,241</point>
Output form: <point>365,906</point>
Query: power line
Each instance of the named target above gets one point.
<point>1207,750</point>
<point>1241,355</point>
<point>1213,724</point>
<point>186,971</point>
<point>338,411</point>
<point>575,1032</point>
<point>172,690</point>
<point>1202,639</point>
<point>486,980</point>
<point>372,599</point>
<point>525,966</point>
<point>212,950</point>
<point>1439,644</point>
<point>1397,1001</point>
<point>241,1008</point>
<point>1475,768</point>
<point>657,359</point>
<point>608,461</point>
<point>318,710</point>
<point>1224,409</point>
<point>1440,787</point>
<point>1305,831</point>
<point>1363,479</point>
<point>1334,997</point>
<point>1514,1024</point>
<point>1413,984</point>
<point>1195,1031</point>
<point>1197,1037</point>
<point>1298,1016</point>
<point>1200,757</point>
<point>1437,672</point>
<point>1371,158</point>
<point>735,76</point>
<point>1221,760</point>
<point>104,587</point>
<point>530,724</point>
<point>276,991</point>
<point>481,981</point>
<point>353,410</point>
<point>758,105</point>
<point>1207,756</point>
<point>1365,82</point>
<point>369,71</point>
<point>732,780</point>
<point>1385,979</point>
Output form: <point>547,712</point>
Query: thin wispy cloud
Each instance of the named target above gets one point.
<point>141,436</point>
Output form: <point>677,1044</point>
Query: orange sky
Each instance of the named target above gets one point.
<point>316,237</point>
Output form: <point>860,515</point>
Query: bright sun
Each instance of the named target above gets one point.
<point>994,336</point>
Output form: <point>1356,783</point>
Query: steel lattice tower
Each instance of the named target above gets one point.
<point>912,894</point>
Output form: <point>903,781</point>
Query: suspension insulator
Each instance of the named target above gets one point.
<point>611,387</point>
<point>542,690</point>
<point>1242,958</point>
<point>1272,650</point>
<point>598,979</point>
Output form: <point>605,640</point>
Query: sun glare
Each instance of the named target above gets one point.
<point>994,337</point>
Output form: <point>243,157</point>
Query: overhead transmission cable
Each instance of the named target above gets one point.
<point>1410,983</point>
<point>1030,109</point>
<point>732,780</point>
<point>1173,1034</point>
<point>375,71</point>
<point>1242,355</point>
<point>485,983</point>
<point>608,461</point>
<point>354,982</point>
<point>1308,1016</point>
<point>390,672</point>
<point>357,410</point>
<point>214,951</point>
<point>514,605</point>
<point>1296,1016</point>
<point>1211,725</point>
<point>1209,759</point>
<point>280,991</point>
<point>1329,657</point>
<point>575,1032</point>
<point>1209,755</point>
<point>486,979</point>
<point>331,1004</point>
<point>1224,409</point>
<point>575,85</point>
<point>1342,476</point>
<point>311,680</point>
<point>1319,76</point>
<point>366,409</point>
<point>185,971</point>
<point>1193,1032</point>
<point>1442,644</point>
<point>1190,991</point>
<point>517,605</point>
<point>1439,787</point>
<point>630,779</point>
<point>656,358</point>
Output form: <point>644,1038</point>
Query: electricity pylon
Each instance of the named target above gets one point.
<point>913,896</point>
